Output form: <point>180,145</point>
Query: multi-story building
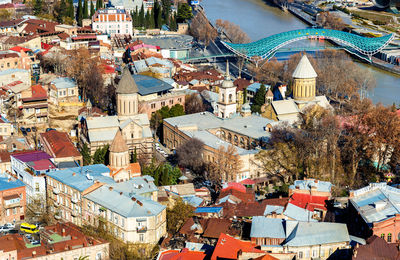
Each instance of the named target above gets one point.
<point>62,241</point>
<point>12,199</point>
<point>63,90</point>
<point>112,21</point>
<point>374,211</point>
<point>308,240</point>
<point>35,106</point>
<point>89,195</point>
<point>6,128</point>
<point>59,146</point>
<point>31,168</point>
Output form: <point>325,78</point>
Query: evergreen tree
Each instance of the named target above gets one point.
<point>71,11</point>
<point>152,21</point>
<point>97,4</point>
<point>157,14</point>
<point>101,4</point>
<point>134,158</point>
<point>91,9</point>
<point>172,24</point>
<point>166,11</point>
<point>85,9</point>
<point>141,16</point>
<point>101,155</point>
<point>37,7</point>
<point>184,12</point>
<point>79,13</point>
<point>87,158</point>
<point>147,20</point>
<point>62,11</point>
<point>259,99</point>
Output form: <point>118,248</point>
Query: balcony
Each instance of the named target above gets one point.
<point>141,229</point>
<point>74,200</point>
<point>56,191</point>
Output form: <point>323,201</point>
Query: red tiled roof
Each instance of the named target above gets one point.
<point>306,201</point>
<point>9,55</point>
<point>184,254</point>
<point>4,156</point>
<point>248,182</point>
<point>215,227</point>
<point>241,84</point>
<point>59,144</point>
<point>19,49</point>
<point>228,247</point>
<point>8,5</point>
<point>38,91</point>
<point>237,186</point>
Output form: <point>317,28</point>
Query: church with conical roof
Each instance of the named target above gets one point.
<point>304,85</point>
<point>125,132</point>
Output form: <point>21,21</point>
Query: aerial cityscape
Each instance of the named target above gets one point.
<point>200,129</point>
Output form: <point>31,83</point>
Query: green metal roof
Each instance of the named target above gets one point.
<point>265,48</point>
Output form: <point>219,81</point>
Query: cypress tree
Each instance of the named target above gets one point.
<point>147,20</point>
<point>85,9</point>
<point>172,23</point>
<point>91,9</point>
<point>79,13</point>
<point>152,21</point>
<point>71,11</point>
<point>97,4</point>
<point>157,14</point>
<point>141,16</point>
<point>62,12</point>
<point>101,5</point>
<point>37,7</point>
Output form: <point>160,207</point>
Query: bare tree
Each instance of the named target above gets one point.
<point>225,166</point>
<point>190,155</point>
<point>194,104</point>
<point>201,29</point>
<point>330,21</point>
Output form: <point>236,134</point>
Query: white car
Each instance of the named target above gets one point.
<point>4,229</point>
<point>9,225</point>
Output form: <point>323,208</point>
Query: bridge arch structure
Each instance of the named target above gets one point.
<point>266,48</point>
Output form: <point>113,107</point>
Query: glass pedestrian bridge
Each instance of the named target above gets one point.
<point>266,48</point>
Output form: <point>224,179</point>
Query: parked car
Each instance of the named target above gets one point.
<point>13,231</point>
<point>28,129</point>
<point>4,229</point>
<point>9,225</point>
<point>34,129</point>
<point>50,129</point>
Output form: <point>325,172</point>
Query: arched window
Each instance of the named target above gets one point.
<point>241,141</point>
<point>223,135</point>
<point>229,137</point>
<point>223,98</point>
<point>230,98</point>
<point>235,138</point>
<point>389,238</point>
<point>383,236</point>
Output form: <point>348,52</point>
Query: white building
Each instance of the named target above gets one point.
<point>227,97</point>
<point>112,21</point>
<point>31,168</point>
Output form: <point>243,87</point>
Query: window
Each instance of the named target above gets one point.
<point>389,238</point>
<point>37,187</point>
<point>300,254</point>
<point>314,253</point>
<point>163,103</point>
<point>171,101</point>
<point>8,64</point>
<point>141,237</point>
<point>179,100</point>
<point>153,106</point>
<point>14,211</point>
<point>72,92</point>
<point>383,236</point>
<point>98,256</point>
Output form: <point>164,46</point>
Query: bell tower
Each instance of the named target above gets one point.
<point>227,96</point>
<point>127,95</point>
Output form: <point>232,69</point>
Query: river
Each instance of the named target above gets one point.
<point>259,19</point>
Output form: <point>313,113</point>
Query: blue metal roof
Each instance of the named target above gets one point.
<point>84,177</point>
<point>266,48</point>
<point>61,83</point>
<point>323,186</point>
<point>149,85</point>
<point>208,210</point>
<point>267,227</point>
<point>6,185</point>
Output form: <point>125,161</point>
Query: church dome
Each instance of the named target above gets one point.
<point>304,69</point>
<point>127,84</point>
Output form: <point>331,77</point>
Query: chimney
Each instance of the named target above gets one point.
<point>297,187</point>
<point>63,232</point>
<point>140,203</point>
<point>280,196</point>
<point>33,253</point>
<point>315,181</point>
<point>73,174</point>
<point>110,188</point>
<point>120,193</point>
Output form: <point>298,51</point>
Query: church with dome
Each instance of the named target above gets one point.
<point>127,126</point>
<point>304,81</point>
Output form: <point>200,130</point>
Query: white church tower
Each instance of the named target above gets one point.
<point>227,96</point>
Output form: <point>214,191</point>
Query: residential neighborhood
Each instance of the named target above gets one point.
<point>157,129</point>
